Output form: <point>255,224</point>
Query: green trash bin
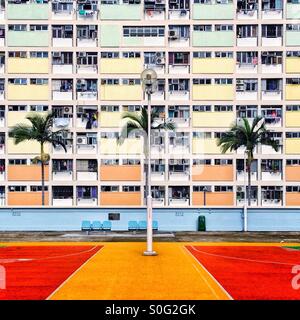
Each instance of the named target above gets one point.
<point>201,223</point>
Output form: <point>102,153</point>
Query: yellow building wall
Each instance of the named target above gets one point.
<point>292,92</point>
<point>213,65</point>
<point>212,119</point>
<point>121,65</point>
<point>130,146</point>
<point>27,92</point>
<point>222,92</point>
<point>110,119</point>
<point>28,147</point>
<point>121,92</point>
<point>28,65</point>
<point>206,146</point>
<point>292,65</point>
<point>292,118</point>
<point>292,146</point>
<point>17,117</point>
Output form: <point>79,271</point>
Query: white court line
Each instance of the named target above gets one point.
<point>5,261</point>
<point>73,274</point>
<point>186,251</point>
<point>242,259</point>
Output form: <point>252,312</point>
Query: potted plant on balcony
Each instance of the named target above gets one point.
<point>41,131</point>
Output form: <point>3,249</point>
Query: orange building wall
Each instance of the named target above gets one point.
<point>212,173</point>
<point>120,173</point>
<point>26,198</point>
<point>292,173</point>
<point>26,173</point>
<point>292,198</point>
<point>213,198</point>
<point>120,198</point>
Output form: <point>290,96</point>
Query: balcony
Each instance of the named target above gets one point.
<point>213,198</point>
<point>272,9</point>
<point>122,11</point>
<point>272,115</point>
<point>272,62</point>
<point>213,65</point>
<point>86,143</point>
<point>271,170</point>
<point>27,38</point>
<point>120,198</point>
<point>28,65</point>
<point>154,9</point>
<point>271,35</point>
<point>2,143</point>
<point>271,89</point>
<point>62,196</point>
<point>87,117</point>
<point>87,36</point>
<point>179,196</point>
<point>155,61</point>
<point>180,116</point>
<point>30,10</point>
<point>247,35</point>
<point>240,175</point>
<point>121,65</point>
<point>179,36</point>
<point>87,196</point>
<point>247,10</point>
<point>26,198</point>
<point>26,173</point>
<point>86,89</point>
<point>62,89</point>
<point>87,10</point>
<point>62,170</point>
<point>87,63</point>
<point>62,62</point>
<point>62,36</point>
<point>213,11</point>
<point>206,92</point>
<point>87,170</point>
<point>62,10</point>
<point>179,170</point>
<point>212,173</point>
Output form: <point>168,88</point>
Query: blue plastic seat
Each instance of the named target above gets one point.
<point>96,226</point>
<point>155,225</point>
<point>106,225</point>
<point>143,225</point>
<point>86,225</point>
<point>132,225</point>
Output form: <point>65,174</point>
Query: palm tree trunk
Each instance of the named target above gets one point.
<point>43,174</point>
<point>249,161</point>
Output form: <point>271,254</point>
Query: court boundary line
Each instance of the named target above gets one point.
<point>7,261</point>
<point>184,248</point>
<point>243,259</point>
<point>73,274</point>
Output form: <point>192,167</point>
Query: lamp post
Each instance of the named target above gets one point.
<point>245,193</point>
<point>149,84</point>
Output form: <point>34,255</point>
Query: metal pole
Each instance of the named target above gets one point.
<point>149,251</point>
<point>245,195</point>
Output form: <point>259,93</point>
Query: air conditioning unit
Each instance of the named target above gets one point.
<point>81,54</point>
<point>81,140</point>
<point>67,110</point>
<point>56,54</point>
<point>159,61</point>
<point>159,54</point>
<point>173,34</point>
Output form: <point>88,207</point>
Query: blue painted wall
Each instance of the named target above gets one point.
<point>64,219</point>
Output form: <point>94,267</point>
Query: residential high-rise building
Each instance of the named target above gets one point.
<point>217,61</point>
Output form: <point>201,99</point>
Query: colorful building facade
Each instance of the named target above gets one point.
<point>217,61</point>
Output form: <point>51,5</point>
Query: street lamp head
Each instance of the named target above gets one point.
<point>149,80</point>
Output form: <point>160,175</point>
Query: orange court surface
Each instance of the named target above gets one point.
<point>181,271</point>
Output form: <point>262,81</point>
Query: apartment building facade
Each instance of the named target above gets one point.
<point>217,61</point>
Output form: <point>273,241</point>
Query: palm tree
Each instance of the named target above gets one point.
<point>249,137</point>
<point>40,131</point>
<point>138,121</point>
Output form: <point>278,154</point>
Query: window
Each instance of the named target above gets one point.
<point>37,188</point>
<point>223,188</point>
<point>202,54</point>
<point>38,27</point>
<point>221,108</point>
<point>203,27</point>
<point>246,85</point>
<point>131,188</point>
<point>223,81</point>
<point>271,31</point>
<point>110,55</point>
<point>246,31</point>
<point>293,108</point>
<point>16,162</point>
<point>131,162</point>
<point>144,31</point>
<point>202,188</point>
<point>200,108</point>
<point>110,108</point>
<point>109,162</point>
<point>202,81</point>
<point>223,27</point>
<point>219,162</point>
<point>114,216</point>
<point>17,188</point>
<point>109,188</point>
